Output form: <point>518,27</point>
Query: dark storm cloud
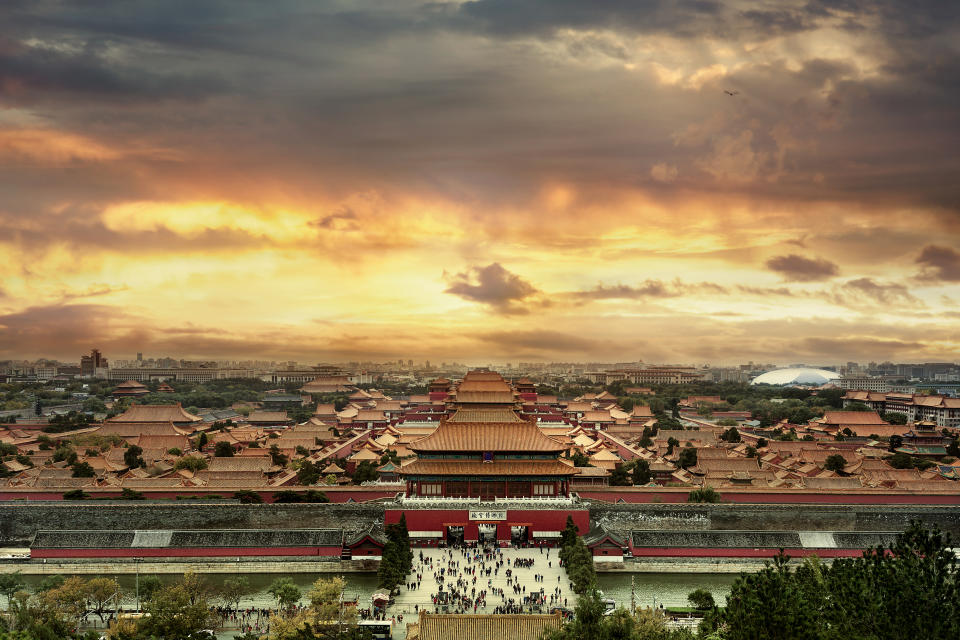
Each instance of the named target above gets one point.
<point>492,285</point>
<point>796,268</point>
<point>512,17</point>
<point>32,72</point>
<point>303,90</point>
<point>939,264</point>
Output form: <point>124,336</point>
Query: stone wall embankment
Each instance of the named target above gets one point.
<point>174,567</point>
<point>623,518</point>
<point>20,521</point>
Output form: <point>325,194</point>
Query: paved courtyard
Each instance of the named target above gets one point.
<point>484,580</point>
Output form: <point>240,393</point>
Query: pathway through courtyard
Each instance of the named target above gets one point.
<point>484,580</point>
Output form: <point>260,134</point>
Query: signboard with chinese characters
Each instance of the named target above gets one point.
<point>478,514</point>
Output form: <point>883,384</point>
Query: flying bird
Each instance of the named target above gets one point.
<point>731,93</point>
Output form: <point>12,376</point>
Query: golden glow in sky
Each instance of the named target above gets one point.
<point>483,182</point>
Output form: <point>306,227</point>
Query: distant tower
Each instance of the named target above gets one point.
<point>139,356</point>
<point>89,364</point>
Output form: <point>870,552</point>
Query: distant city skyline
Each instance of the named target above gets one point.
<point>687,182</point>
<point>141,359</point>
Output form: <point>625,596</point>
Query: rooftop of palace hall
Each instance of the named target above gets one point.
<point>466,438</point>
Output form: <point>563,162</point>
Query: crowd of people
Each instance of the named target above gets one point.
<point>467,579</point>
<point>250,620</point>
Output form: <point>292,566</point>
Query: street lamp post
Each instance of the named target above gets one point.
<point>136,563</point>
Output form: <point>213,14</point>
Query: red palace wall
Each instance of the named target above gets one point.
<point>689,552</point>
<point>185,552</point>
<point>615,494</point>
<point>604,494</point>
<point>535,520</point>
<point>335,494</point>
<point>606,551</point>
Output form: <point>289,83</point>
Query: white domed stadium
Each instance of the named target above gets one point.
<point>796,376</point>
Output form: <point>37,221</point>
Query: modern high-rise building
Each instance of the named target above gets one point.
<point>89,364</point>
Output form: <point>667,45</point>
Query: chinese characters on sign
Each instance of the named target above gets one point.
<point>488,515</point>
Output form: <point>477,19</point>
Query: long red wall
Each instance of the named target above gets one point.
<point>604,494</point>
<point>615,494</point>
<point>185,552</point>
<point>689,552</point>
<point>334,494</point>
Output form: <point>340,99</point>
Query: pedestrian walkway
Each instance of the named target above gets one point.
<point>484,580</point>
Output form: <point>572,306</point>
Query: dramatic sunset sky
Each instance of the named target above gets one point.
<point>483,181</point>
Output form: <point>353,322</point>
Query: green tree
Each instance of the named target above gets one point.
<point>688,457</point>
<point>193,463</point>
<point>390,573</point>
<point>172,614</point>
<point>836,462</point>
<point>671,443</point>
<point>900,461</point>
<point>148,586</point>
<point>65,453</point>
<point>308,473</point>
<point>129,494</point>
<point>101,593</point>
<point>75,494</point>
<point>953,449</point>
<point>761,443</point>
<point>705,494</point>
<point>312,495</point>
<point>619,477</point>
<point>580,460</point>
<point>246,496</point>
<point>364,472</point>
<point>83,470</point>
<point>326,604</point>
<point>730,435</point>
<point>588,621</point>
<point>641,472</point>
<point>201,441</point>
<point>132,457</point>
<point>895,417</point>
<point>223,449</point>
<point>701,599</point>
<point>10,583</point>
<point>279,459</point>
<point>285,592</point>
<point>235,589</point>
<point>907,591</point>
<point>895,443</point>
